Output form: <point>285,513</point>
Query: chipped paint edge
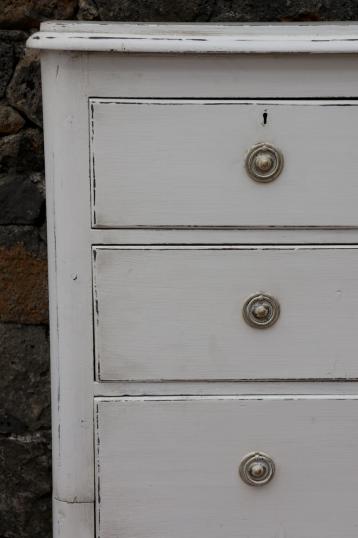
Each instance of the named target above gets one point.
<point>192,44</point>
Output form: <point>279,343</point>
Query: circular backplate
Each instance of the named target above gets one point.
<point>257,469</point>
<point>261,311</point>
<point>264,153</point>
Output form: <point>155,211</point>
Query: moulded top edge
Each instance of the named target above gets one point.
<point>197,38</point>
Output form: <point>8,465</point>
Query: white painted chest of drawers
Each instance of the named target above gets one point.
<point>202,188</point>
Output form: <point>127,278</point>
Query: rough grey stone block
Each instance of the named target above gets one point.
<point>29,13</point>
<point>227,10</point>
<point>11,47</point>
<point>25,486</point>
<point>22,197</point>
<point>22,152</point>
<point>6,65</point>
<point>87,10</point>
<point>144,10</point>
<point>284,10</point>
<point>10,120</point>
<point>24,90</point>
<point>25,379</point>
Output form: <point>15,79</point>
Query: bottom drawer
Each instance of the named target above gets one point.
<point>169,467</point>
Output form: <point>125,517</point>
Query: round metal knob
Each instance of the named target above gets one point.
<point>261,311</point>
<point>257,469</point>
<point>264,163</point>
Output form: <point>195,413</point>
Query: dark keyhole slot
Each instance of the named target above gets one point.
<point>265,114</point>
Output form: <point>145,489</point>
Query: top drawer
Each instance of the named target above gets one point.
<point>181,163</point>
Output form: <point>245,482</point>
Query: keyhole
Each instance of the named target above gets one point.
<point>265,114</point>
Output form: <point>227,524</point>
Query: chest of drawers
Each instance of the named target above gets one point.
<point>202,202</point>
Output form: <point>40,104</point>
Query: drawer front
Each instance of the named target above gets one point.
<point>176,313</point>
<point>171,467</point>
<point>182,163</point>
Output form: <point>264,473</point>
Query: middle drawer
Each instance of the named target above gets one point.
<point>225,313</point>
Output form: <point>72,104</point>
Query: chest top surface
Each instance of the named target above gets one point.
<point>197,38</point>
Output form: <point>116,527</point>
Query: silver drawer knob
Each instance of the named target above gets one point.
<point>261,311</point>
<point>264,163</point>
<point>257,469</point>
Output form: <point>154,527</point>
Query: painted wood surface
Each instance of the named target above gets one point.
<point>70,80</point>
<point>225,236</point>
<point>170,467</point>
<point>197,38</point>
<point>70,286</point>
<point>73,520</point>
<point>254,76</point>
<point>166,313</point>
<point>182,163</point>
<point>218,388</point>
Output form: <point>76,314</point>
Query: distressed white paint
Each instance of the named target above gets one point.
<point>182,163</point>
<point>176,313</point>
<point>73,520</point>
<point>208,76</point>
<point>169,467</point>
<point>218,388</point>
<point>227,236</point>
<point>193,38</point>
<point>319,420</point>
<point>68,211</point>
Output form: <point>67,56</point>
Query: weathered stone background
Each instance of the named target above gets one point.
<point>25,486</point>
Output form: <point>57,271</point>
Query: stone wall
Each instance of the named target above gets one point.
<point>25,486</point>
